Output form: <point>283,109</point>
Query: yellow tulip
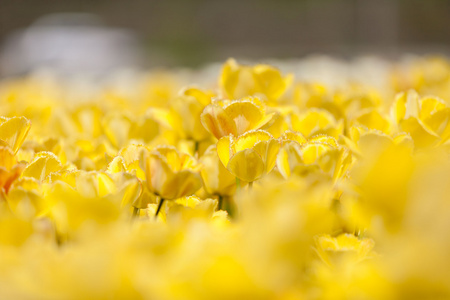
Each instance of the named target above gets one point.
<point>10,170</point>
<point>25,198</point>
<point>425,119</point>
<point>186,110</point>
<point>249,156</point>
<point>373,119</point>
<point>122,128</point>
<point>217,180</point>
<point>318,153</point>
<point>169,173</point>
<point>227,117</point>
<point>316,121</point>
<point>43,164</point>
<point>239,81</point>
<point>331,250</point>
<point>356,98</point>
<point>13,132</point>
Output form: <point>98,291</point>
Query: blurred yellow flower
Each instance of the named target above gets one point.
<point>316,121</point>
<point>169,173</point>
<point>425,119</point>
<point>10,169</point>
<point>239,81</point>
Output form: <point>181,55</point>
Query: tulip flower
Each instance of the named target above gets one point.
<point>13,132</point>
<point>10,169</point>
<point>321,152</point>
<point>217,180</point>
<point>170,174</point>
<point>330,249</point>
<point>425,119</point>
<point>227,117</point>
<point>249,156</point>
<point>316,121</point>
<point>186,110</point>
<point>239,81</point>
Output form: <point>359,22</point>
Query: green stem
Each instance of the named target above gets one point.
<point>159,207</point>
<point>238,184</point>
<point>196,146</point>
<point>135,212</point>
<point>220,204</point>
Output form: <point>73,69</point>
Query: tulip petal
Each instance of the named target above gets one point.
<point>247,165</point>
<point>13,131</point>
<point>217,122</point>
<point>249,139</point>
<point>268,151</point>
<point>42,165</point>
<point>312,151</point>
<point>245,115</point>
<point>184,183</point>
<point>295,136</point>
<point>224,149</point>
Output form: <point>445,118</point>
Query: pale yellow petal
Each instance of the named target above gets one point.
<point>217,122</point>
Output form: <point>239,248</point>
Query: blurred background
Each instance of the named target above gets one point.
<point>102,35</point>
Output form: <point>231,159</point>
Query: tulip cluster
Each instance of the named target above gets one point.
<point>257,185</point>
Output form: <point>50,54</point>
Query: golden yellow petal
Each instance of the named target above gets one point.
<point>42,165</point>
<point>224,150</point>
<point>268,151</point>
<point>249,139</point>
<point>117,128</point>
<point>117,165</point>
<point>314,121</point>
<point>247,165</point>
<point>184,183</point>
<point>7,159</point>
<point>312,151</point>
<point>13,131</point>
<point>421,135</point>
<point>245,115</point>
<point>289,156</point>
<point>430,106</point>
<point>295,136</point>
<point>324,139</point>
<point>406,105</point>
<point>373,119</point>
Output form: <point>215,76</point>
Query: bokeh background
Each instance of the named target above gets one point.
<point>193,33</point>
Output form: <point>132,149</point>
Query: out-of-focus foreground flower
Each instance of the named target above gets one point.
<point>252,186</point>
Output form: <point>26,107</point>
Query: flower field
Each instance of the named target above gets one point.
<point>246,183</point>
